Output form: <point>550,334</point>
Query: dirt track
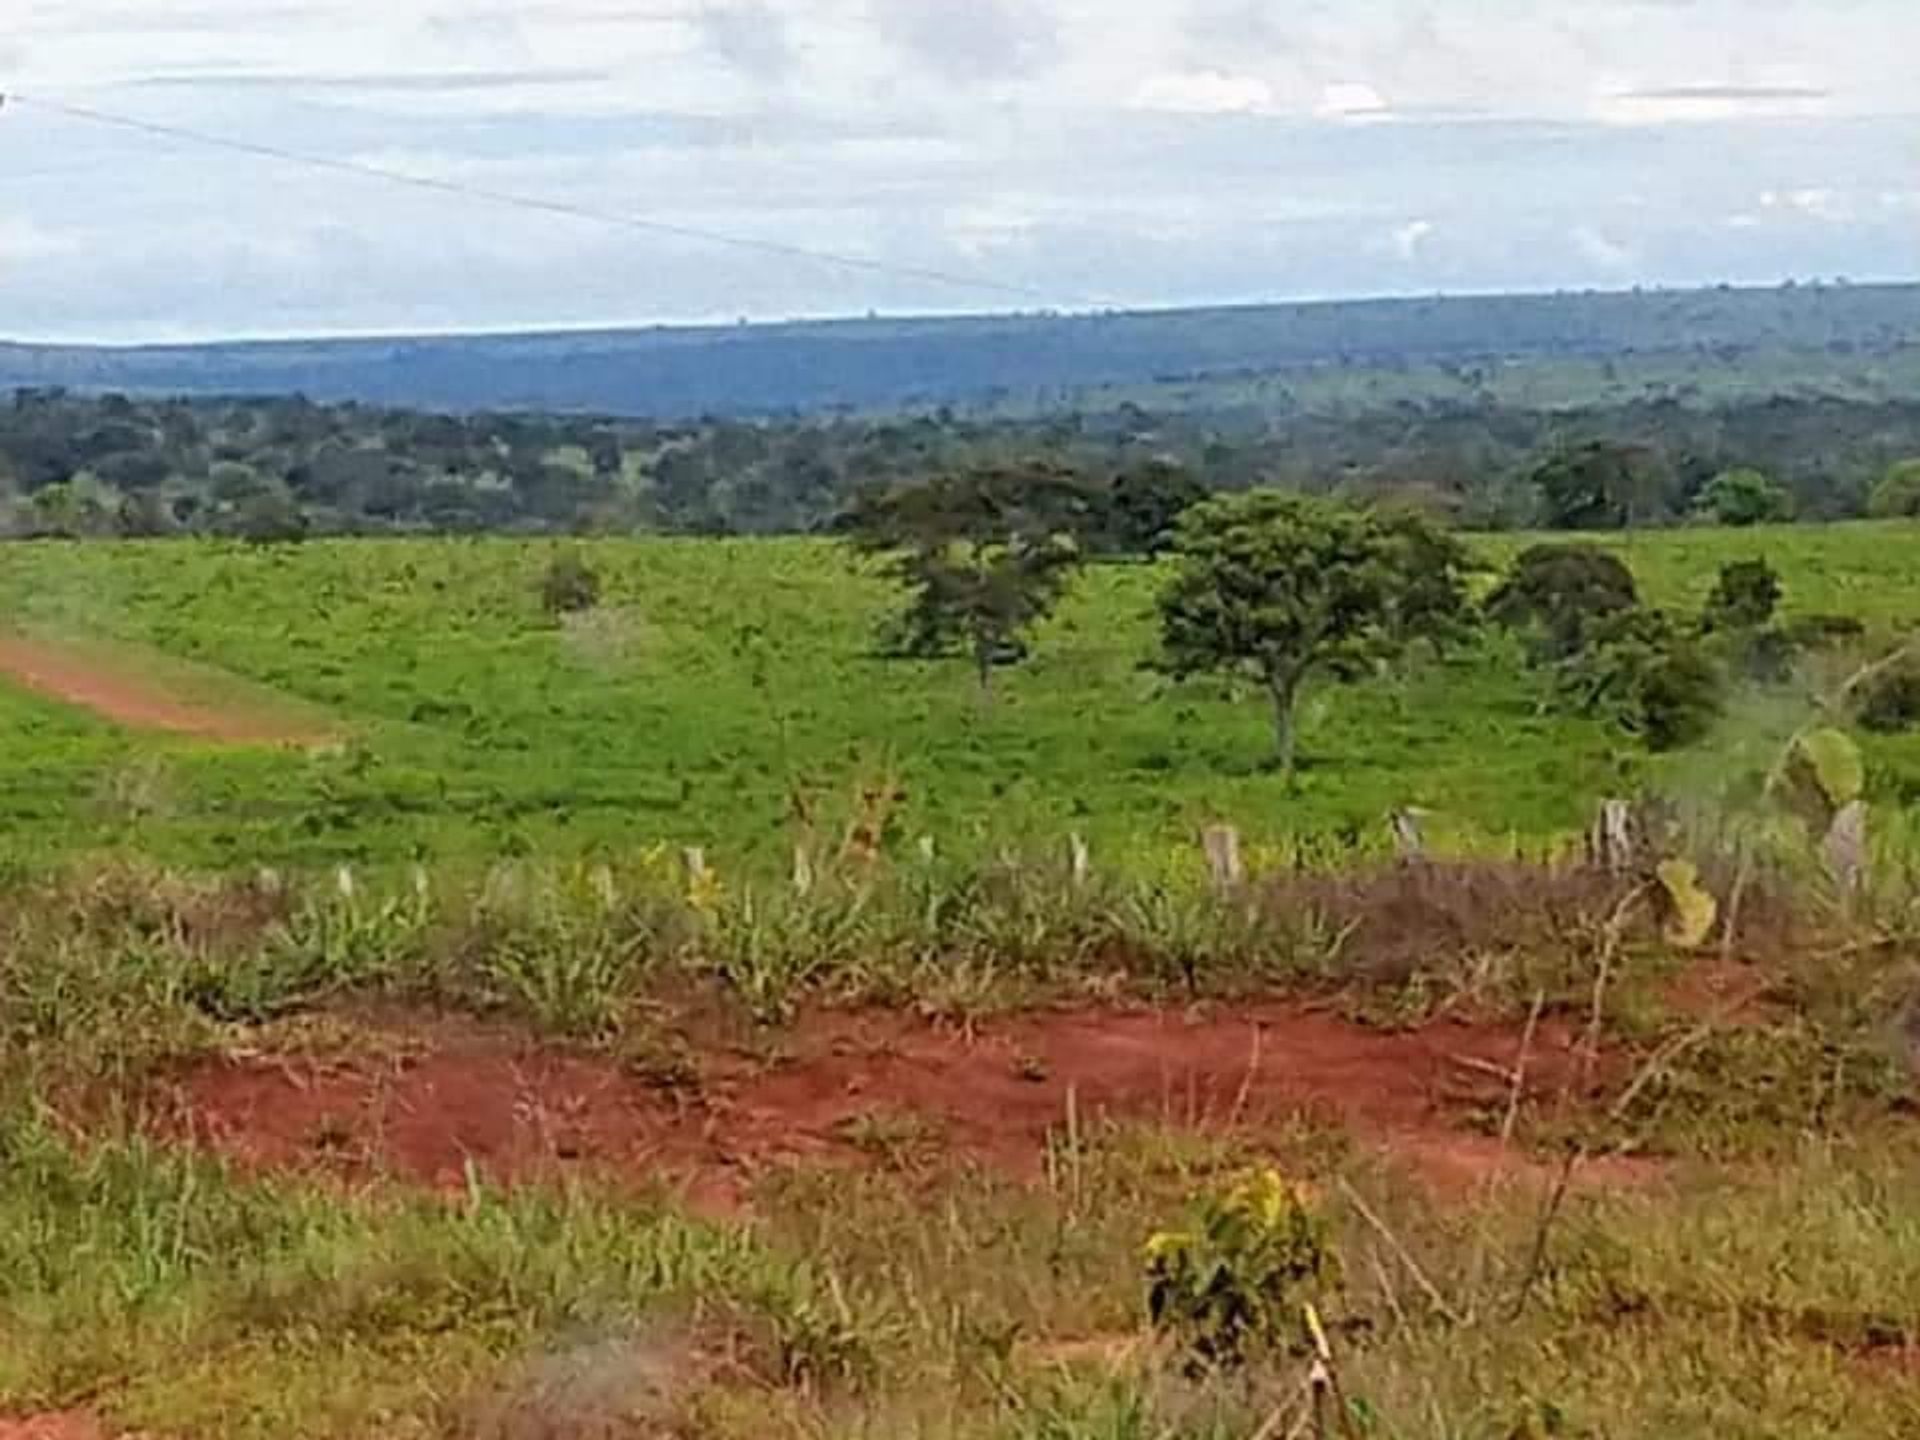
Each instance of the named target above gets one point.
<point>856,1090</point>
<point>127,700</point>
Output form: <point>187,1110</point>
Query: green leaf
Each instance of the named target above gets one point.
<point>1833,761</point>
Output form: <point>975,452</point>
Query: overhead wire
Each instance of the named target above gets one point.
<point>365,170</point>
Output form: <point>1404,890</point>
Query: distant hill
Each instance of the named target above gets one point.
<point>1007,362</point>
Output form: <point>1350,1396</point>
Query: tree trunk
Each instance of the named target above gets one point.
<point>1283,689</point>
<point>983,664</point>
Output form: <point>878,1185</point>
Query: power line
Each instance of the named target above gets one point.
<point>538,204</point>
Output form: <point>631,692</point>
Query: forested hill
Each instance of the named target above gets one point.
<point>1015,364</point>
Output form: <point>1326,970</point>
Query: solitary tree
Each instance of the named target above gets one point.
<point>984,554</point>
<point>1745,497</point>
<point>1283,587</point>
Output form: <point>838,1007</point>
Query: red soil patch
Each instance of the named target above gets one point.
<point>71,1425</point>
<point>76,679</point>
<point>851,1088</point>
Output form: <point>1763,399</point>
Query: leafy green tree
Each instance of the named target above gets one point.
<point>1283,587</point>
<point>1559,594</point>
<point>1602,485</point>
<point>1640,671</point>
<point>1745,497</point>
<point>270,517</point>
<point>984,555</point>
<point>1897,495</point>
<point>1145,502</point>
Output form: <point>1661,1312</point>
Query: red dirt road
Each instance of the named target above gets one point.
<point>849,1088</point>
<point>127,700</point>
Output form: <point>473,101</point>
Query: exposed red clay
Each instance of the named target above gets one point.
<point>78,680</point>
<point>459,1102</point>
<point>69,1425</point>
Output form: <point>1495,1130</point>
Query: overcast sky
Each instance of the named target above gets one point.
<point>1138,152</point>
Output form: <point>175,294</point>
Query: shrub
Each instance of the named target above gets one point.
<point>1646,676</point>
<point>1560,594</point>
<point>1897,495</point>
<point>1226,1285</point>
<point>1744,497</point>
<point>1890,701</point>
<point>1743,598</point>
<point>570,585</point>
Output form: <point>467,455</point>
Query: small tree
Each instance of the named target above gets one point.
<point>1744,598</point>
<point>1559,594</point>
<point>1647,677</point>
<point>1745,497</point>
<point>1282,587</point>
<point>1602,485</point>
<point>570,585</point>
<point>984,554</point>
<point>1897,495</point>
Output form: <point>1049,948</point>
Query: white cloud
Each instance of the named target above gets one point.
<point>1817,202</point>
<point>1204,92</point>
<point>1158,151</point>
<point>1600,250</point>
<point>1408,238</point>
<point>1351,100</point>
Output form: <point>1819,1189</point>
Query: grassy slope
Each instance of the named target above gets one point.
<point>722,674</point>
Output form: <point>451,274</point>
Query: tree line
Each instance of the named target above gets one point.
<point>282,468</point>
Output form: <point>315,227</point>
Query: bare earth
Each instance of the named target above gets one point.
<point>132,701</point>
<point>440,1099</point>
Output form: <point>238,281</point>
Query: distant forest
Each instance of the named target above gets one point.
<point>277,469</point>
<point>1859,341</point>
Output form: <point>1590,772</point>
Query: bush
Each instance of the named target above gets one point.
<point>1560,594</point>
<point>570,585</point>
<point>1743,598</point>
<point>1646,676</point>
<point>1744,497</point>
<point>1897,496</point>
<point>1890,701</point>
<point>1227,1284</point>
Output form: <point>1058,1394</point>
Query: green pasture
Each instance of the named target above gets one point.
<point>721,679</point>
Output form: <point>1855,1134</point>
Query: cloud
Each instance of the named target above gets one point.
<point>979,41</point>
<point>1600,250</point>
<point>1352,100</point>
<point>1159,151</point>
<point>23,240</point>
<point>1409,238</point>
<point>369,81</point>
<point>1816,202</point>
<point>1735,93</point>
<point>749,35</point>
<point>1203,92</point>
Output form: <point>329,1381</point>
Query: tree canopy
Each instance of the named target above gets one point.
<point>1283,587</point>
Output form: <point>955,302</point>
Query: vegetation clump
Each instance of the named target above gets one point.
<point>1281,588</point>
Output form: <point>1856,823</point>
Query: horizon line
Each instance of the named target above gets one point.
<point>563,329</point>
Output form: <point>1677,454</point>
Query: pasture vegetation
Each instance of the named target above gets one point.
<point>715,681</point>
<point>921,1296</point>
<point>522,750</point>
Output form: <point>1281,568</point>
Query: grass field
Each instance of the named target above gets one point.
<point>554,1150</point>
<point>720,679</point>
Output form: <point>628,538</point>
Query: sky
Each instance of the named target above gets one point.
<point>1027,153</point>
